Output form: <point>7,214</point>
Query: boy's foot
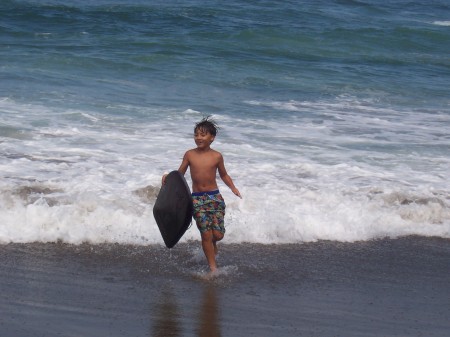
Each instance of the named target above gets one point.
<point>212,274</point>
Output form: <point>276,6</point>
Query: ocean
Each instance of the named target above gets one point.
<point>334,123</point>
<point>334,116</point>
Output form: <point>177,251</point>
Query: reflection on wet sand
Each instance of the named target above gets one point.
<point>208,317</point>
<point>166,322</point>
<point>168,317</point>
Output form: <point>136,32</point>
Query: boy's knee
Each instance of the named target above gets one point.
<point>212,235</point>
<point>207,235</point>
<point>217,235</point>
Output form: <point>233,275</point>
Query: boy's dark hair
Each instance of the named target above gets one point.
<point>207,125</point>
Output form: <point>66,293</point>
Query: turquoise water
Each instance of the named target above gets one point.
<point>187,53</point>
<point>334,115</point>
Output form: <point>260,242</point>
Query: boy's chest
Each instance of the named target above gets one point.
<point>204,162</point>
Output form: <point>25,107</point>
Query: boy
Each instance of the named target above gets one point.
<point>209,206</point>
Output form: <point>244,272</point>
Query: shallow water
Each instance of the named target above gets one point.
<point>383,287</point>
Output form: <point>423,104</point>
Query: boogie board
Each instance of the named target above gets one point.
<point>173,208</point>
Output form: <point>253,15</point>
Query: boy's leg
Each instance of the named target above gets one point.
<point>209,249</point>
<point>217,236</point>
<point>209,218</point>
<point>209,239</point>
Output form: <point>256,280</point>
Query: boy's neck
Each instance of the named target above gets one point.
<point>203,150</point>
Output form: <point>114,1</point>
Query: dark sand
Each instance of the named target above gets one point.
<point>379,288</point>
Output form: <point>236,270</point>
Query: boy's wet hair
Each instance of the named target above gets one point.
<point>207,125</point>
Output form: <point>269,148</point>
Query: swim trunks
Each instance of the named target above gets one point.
<point>209,211</point>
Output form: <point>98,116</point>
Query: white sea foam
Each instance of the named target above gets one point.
<point>441,23</point>
<point>339,170</point>
<point>220,274</point>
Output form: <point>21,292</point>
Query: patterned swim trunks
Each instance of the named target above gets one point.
<point>209,211</point>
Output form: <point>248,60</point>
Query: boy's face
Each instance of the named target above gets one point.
<point>203,138</point>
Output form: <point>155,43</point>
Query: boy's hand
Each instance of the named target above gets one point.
<point>236,192</point>
<point>163,179</point>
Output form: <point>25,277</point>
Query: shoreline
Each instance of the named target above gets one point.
<point>389,287</point>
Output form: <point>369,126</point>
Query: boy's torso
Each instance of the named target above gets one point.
<point>203,168</point>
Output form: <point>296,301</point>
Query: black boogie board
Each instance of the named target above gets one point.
<point>173,208</point>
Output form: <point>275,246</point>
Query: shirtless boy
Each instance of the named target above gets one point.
<point>209,206</point>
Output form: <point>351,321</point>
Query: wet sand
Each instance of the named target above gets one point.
<point>386,287</point>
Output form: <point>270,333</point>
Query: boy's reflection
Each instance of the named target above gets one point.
<point>208,318</point>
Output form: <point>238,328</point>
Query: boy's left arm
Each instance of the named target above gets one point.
<point>226,178</point>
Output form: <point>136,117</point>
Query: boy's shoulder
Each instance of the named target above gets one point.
<point>211,152</point>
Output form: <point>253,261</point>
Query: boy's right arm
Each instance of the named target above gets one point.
<point>184,164</point>
<point>163,179</point>
<point>182,169</point>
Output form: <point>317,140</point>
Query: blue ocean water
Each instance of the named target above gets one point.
<point>334,116</point>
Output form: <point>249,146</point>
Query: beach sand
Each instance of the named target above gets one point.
<point>398,287</point>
